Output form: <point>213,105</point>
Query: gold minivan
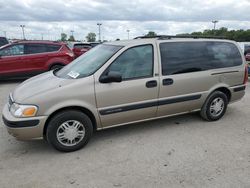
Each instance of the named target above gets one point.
<point>123,82</point>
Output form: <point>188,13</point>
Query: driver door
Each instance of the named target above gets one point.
<point>135,97</point>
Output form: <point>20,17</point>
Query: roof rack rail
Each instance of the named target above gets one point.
<point>160,37</point>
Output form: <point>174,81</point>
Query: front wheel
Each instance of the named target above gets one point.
<point>69,131</point>
<point>215,106</point>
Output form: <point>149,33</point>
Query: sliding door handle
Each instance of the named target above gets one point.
<point>152,83</point>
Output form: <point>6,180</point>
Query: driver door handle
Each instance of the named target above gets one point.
<point>167,81</point>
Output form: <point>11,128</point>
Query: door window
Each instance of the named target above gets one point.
<point>35,48</point>
<point>13,50</point>
<point>185,57</point>
<point>52,48</point>
<point>136,62</point>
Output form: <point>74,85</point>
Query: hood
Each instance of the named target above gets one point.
<point>38,84</point>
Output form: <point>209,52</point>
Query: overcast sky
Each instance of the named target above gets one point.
<point>48,18</point>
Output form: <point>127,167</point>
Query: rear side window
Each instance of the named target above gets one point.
<point>52,48</point>
<point>41,48</point>
<point>34,48</point>
<point>184,57</point>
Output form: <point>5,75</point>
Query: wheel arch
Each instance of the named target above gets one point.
<point>224,90</point>
<point>77,108</point>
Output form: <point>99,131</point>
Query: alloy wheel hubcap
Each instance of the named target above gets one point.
<point>217,107</point>
<point>70,133</point>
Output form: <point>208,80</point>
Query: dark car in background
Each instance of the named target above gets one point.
<point>94,44</point>
<point>3,41</point>
<point>24,59</point>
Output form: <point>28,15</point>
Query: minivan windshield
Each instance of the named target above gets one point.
<point>88,63</point>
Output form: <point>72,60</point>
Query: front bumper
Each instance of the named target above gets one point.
<point>23,128</point>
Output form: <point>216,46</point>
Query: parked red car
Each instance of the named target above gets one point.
<point>27,58</point>
<point>80,48</point>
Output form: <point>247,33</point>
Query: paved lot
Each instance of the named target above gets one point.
<point>182,151</point>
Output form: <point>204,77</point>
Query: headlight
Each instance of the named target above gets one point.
<point>19,110</point>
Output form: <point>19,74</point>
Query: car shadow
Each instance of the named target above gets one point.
<point>143,128</point>
<point>12,81</point>
<point>42,146</point>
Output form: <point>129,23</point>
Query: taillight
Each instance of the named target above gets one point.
<point>246,75</point>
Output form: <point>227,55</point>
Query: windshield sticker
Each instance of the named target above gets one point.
<point>73,74</point>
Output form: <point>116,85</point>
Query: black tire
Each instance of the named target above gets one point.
<point>209,114</point>
<point>53,67</point>
<point>56,123</point>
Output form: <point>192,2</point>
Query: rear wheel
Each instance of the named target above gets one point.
<point>69,131</point>
<point>215,106</point>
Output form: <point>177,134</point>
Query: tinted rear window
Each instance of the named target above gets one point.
<point>80,46</point>
<point>184,57</point>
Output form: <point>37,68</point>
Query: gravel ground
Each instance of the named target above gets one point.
<point>182,151</point>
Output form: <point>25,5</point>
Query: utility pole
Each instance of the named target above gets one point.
<point>215,22</point>
<point>72,32</point>
<point>128,33</point>
<point>99,27</point>
<point>23,26</point>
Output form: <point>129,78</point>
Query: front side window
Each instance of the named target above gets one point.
<point>136,62</point>
<point>13,50</point>
<point>185,57</point>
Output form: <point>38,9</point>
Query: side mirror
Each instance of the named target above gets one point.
<point>112,76</point>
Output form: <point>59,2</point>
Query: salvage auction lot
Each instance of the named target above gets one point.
<point>182,151</point>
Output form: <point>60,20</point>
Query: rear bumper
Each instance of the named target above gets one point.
<point>23,128</point>
<point>237,92</point>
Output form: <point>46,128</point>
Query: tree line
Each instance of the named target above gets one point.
<point>91,37</point>
<point>223,32</point>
